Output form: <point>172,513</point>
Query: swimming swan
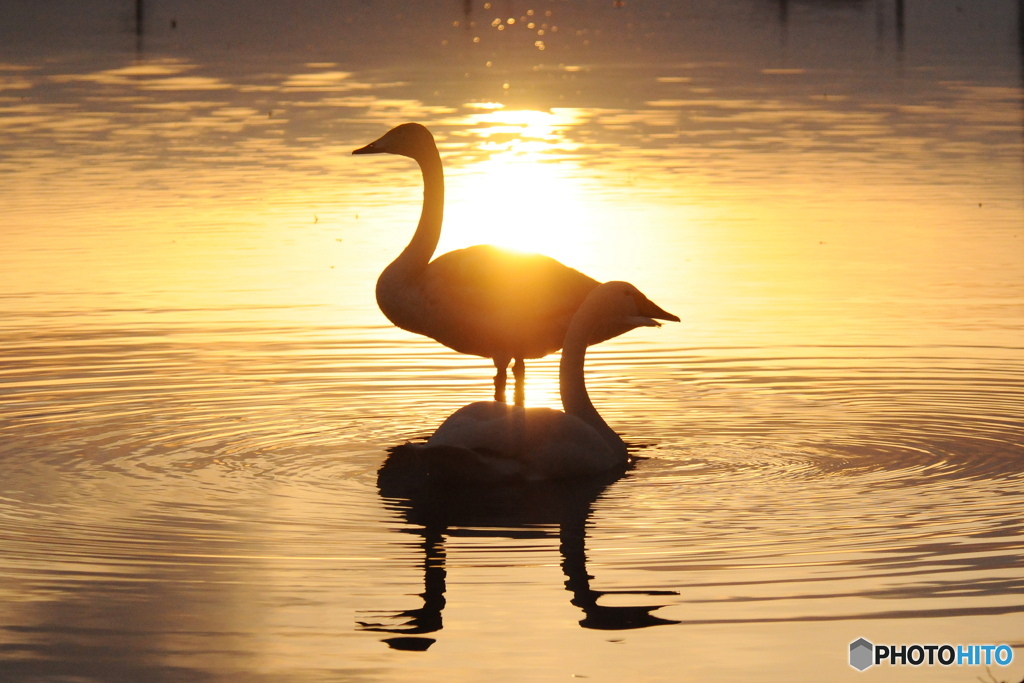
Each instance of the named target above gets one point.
<point>482,300</point>
<point>493,442</point>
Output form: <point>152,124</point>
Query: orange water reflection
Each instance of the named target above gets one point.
<point>198,387</point>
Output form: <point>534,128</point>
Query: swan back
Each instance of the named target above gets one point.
<point>491,302</point>
<point>529,444</point>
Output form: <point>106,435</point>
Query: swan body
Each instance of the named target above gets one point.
<point>513,442</point>
<point>486,301</point>
<point>482,301</point>
<point>492,441</point>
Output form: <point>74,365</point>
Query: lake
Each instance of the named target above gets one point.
<point>198,388</point>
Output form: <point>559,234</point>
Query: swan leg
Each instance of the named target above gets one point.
<point>519,372</point>
<point>500,377</point>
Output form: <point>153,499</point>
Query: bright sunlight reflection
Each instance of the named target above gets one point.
<point>522,196</point>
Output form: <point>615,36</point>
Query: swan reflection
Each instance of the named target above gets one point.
<point>439,512</point>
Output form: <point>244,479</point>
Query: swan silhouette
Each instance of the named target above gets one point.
<point>482,300</point>
<point>488,442</point>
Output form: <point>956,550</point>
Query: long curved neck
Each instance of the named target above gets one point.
<point>571,384</point>
<point>417,254</point>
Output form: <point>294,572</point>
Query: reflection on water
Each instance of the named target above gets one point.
<point>519,511</point>
<point>198,389</point>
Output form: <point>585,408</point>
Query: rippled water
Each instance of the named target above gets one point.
<point>197,388</point>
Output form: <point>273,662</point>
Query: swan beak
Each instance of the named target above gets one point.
<point>651,310</point>
<point>369,149</point>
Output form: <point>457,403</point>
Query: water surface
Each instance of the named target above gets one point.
<point>198,389</point>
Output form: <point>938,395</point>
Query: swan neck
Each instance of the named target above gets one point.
<point>424,241</point>
<point>572,386</point>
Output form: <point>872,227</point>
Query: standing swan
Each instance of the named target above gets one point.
<point>482,301</point>
<point>490,442</point>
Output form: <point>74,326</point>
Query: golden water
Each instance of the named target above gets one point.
<point>197,387</point>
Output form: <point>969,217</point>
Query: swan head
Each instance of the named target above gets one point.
<point>408,140</point>
<point>624,302</point>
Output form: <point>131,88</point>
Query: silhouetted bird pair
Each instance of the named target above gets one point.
<point>505,306</point>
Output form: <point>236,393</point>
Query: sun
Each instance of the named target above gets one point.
<point>524,195</point>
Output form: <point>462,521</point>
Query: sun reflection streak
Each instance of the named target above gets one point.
<point>525,194</point>
<point>530,130</point>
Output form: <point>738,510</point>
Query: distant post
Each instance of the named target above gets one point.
<point>900,26</point>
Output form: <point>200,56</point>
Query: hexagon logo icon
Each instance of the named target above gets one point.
<point>861,654</point>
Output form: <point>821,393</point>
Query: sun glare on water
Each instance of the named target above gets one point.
<point>522,191</point>
<point>525,195</point>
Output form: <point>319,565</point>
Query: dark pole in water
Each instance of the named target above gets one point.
<point>138,27</point>
<point>1020,37</point>
<point>1020,48</point>
<point>783,12</point>
<point>900,26</point>
<point>784,21</point>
